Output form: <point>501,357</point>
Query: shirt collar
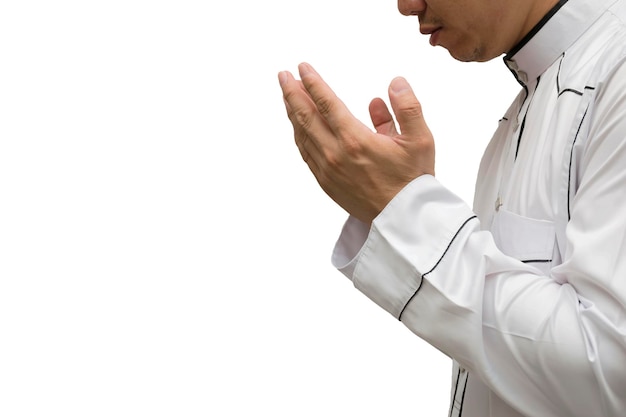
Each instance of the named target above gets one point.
<point>549,39</point>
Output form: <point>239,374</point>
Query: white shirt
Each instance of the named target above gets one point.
<point>527,292</point>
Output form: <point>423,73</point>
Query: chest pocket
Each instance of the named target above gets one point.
<point>531,241</point>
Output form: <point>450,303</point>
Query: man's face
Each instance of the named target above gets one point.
<point>476,30</point>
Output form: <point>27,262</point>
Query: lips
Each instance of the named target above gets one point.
<point>433,31</point>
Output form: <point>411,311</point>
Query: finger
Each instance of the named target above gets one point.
<point>310,153</point>
<point>332,109</point>
<point>289,85</point>
<point>311,132</point>
<point>407,109</point>
<point>301,110</point>
<point>303,142</point>
<point>286,80</point>
<point>382,118</point>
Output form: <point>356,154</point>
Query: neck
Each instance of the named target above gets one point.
<point>539,14</point>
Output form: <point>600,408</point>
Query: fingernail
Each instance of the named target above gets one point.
<point>282,77</point>
<point>400,85</point>
<point>305,69</point>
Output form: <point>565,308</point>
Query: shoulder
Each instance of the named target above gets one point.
<point>595,57</point>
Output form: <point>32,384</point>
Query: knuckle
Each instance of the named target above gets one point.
<point>427,147</point>
<point>302,118</point>
<point>352,147</point>
<point>412,109</point>
<point>332,161</point>
<point>348,138</point>
<point>324,105</point>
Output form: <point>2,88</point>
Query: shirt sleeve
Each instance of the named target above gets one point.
<point>548,343</point>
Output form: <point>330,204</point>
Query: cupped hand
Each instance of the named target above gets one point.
<point>360,169</point>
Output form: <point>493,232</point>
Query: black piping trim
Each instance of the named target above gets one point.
<point>463,396</point>
<point>534,30</point>
<point>570,90</point>
<point>567,90</point>
<point>571,157</point>
<point>558,84</point>
<point>543,261</point>
<point>437,264</point>
<point>558,75</point>
<point>456,387</point>
<point>521,131</point>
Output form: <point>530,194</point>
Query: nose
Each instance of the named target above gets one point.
<point>411,7</point>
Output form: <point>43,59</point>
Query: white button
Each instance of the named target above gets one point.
<point>498,203</point>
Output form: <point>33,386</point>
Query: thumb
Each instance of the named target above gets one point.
<point>407,109</point>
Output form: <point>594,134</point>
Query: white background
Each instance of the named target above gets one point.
<point>163,249</point>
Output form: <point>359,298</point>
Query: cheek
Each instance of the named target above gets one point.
<point>470,36</point>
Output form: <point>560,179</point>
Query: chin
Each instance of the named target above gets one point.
<point>466,56</point>
<point>470,54</point>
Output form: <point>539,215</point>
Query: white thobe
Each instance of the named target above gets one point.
<point>527,291</point>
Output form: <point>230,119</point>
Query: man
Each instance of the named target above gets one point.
<point>527,292</point>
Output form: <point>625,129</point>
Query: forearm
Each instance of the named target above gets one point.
<point>426,261</point>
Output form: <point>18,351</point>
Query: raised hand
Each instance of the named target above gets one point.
<point>361,170</point>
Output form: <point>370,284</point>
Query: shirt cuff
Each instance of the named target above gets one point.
<point>408,239</point>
